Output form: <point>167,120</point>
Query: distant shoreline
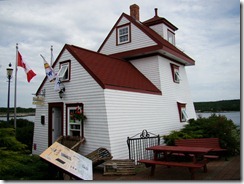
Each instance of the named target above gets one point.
<point>18,114</point>
<point>215,112</point>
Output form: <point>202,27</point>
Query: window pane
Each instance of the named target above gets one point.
<point>123,34</point>
<point>184,114</point>
<point>171,37</point>
<point>177,76</point>
<point>123,38</point>
<point>63,72</point>
<point>123,31</point>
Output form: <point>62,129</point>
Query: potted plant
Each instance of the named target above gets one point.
<point>78,114</point>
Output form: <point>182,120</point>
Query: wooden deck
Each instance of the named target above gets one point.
<point>217,170</point>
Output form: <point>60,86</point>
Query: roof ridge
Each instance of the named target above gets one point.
<point>96,52</point>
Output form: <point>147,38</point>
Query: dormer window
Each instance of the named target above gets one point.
<point>123,34</point>
<point>171,37</point>
<point>182,111</point>
<point>175,73</point>
<point>64,71</point>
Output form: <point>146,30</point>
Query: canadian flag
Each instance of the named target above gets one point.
<point>29,72</point>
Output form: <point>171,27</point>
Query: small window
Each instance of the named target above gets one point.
<point>182,111</point>
<point>74,120</point>
<point>123,34</point>
<point>64,71</point>
<point>184,116</point>
<point>171,37</point>
<point>175,73</point>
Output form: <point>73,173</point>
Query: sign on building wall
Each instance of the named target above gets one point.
<point>69,161</point>
<point>39,100</point>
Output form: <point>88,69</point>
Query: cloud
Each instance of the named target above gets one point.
<point>209,32</point>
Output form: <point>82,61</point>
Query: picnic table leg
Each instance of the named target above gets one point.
<point>192,173</point>
<point>205,169</point>
<point>153,169</point>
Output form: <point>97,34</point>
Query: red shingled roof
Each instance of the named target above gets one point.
<point>109,72</point>
<point>112,73</point>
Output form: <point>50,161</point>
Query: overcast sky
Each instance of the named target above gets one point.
<point>208,31</point>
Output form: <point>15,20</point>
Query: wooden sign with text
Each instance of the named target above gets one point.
<point>69,161</point>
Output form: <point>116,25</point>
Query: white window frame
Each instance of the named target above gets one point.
<point>184,116</point>
<point>64,71</point>
<point>73,126</point>
<point>171,37</point>
<point>175,73</point>
<point>177,76</point>
<point>123,34</point>
<point>182,111</point>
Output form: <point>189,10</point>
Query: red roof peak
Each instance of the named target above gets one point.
<point>158,20</point>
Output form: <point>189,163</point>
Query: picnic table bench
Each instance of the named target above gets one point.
<point>191,166</point>
<point>166,160</point>
<point>204,143</point>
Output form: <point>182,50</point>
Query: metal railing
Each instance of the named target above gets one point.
<point>138,143</point>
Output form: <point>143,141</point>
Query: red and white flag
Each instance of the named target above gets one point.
<point>29,72</point>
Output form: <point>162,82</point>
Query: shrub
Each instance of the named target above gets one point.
<point>24,131</point>
<point>16,166</point>
<point>214,126</point>
<point>9,142</point>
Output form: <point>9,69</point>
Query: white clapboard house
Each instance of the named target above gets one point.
<point>135,81</point>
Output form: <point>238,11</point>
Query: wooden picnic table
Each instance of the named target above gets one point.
<point>194,152</point>
<point>167,150</point>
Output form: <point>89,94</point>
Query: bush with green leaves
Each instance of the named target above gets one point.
<point>24,131</point>
<point>9,142</point>
<point>214,126</point>
<point>17,164</point>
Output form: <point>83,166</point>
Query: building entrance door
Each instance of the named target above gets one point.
<point>55,121</point>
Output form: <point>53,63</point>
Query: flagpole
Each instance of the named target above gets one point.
<point>51,63</point>
<point>15,84</point>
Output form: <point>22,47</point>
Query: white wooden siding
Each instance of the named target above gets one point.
<point>84,89</point>
<point>149,67</point>
<point>176,91</point>
<point>138,40</point>
<point>40,137</point>
<point>129,112</point>
<point>162,30</point>
<point>158,29</point>
<point>114,115</point>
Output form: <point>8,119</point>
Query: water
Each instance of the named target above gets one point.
<point>234,116</point>
<point>29,118</point>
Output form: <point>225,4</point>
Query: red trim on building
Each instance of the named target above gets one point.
<point>66,120</point>
<point>50,116</point>
<point>69,64</point>
<point>173,67</point>
<point>129,34</point>
<point>180,106</point>
<point>109,71</point>
<point>161,42</point>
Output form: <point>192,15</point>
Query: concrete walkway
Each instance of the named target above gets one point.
<point>217,170</point>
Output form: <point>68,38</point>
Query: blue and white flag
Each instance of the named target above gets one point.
<point>49,71</point>
<point>57,84</point>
